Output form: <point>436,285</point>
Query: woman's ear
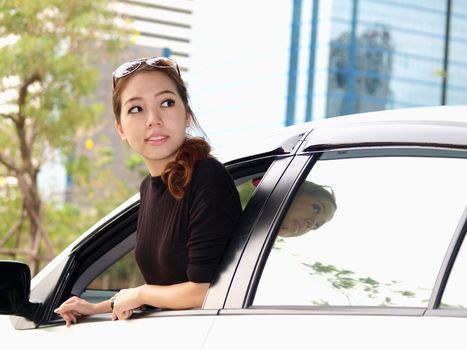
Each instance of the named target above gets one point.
<point>120,131</point>
<point>188,120</point>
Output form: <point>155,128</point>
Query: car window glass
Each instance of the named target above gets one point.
<point>455,293</point>
<point>383,245</point>
<point>245,190</point>
<point>124,273</point>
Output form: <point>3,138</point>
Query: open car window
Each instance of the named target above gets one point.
<point>124,272</point>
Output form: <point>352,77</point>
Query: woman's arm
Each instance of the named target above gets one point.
<point>186,295</point>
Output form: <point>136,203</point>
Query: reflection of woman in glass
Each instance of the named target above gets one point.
<point>312,207</point>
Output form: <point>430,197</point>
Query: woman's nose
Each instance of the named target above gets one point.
<point>153,119</point>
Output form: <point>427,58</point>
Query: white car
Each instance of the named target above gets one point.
<point>387,271</point>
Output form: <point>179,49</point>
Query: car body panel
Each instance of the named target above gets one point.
<point>181,332</point>
<point>335,332</point>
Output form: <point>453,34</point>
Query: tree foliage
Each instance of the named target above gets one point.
<point>346,282</point>
<point>48,51</point>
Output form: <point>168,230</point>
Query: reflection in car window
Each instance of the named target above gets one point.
<point>383,245</point>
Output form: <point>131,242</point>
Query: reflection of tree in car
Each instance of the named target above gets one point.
<point>346,282</point>
<point>312,207</point>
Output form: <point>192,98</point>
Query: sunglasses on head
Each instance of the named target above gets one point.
<point>133,65</point>
<point>330,190</point>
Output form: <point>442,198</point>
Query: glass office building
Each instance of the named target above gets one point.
<point>351,56</point>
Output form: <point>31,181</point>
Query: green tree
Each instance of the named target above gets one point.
<point>47,51</point>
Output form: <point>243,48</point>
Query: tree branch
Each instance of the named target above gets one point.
<point>8,163</point>
<point>21,121</point>
<point>23,91</point>
<point>8,116</point>
<point>30,197</point>
<point>25,251</point>
<point>12,230</point>
<point>14,251</point>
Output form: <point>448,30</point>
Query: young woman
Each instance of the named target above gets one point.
<point>189,203</point>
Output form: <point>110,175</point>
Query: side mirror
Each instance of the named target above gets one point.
<point>15,281</point>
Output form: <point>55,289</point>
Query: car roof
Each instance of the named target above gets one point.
<point>441,126</point>
<point>435,126</point>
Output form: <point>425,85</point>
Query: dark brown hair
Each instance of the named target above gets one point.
<point>177,173</point>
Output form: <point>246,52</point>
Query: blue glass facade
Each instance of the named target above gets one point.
<point>384,54</point>
<point>457,67</point>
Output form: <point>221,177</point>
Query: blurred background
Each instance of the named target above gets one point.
<point>251,67</point>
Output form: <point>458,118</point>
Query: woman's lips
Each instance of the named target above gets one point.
<point>156,140</point>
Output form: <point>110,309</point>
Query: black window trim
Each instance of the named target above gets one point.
<point>228,267</point>
<point>240,290</point>
<point>445,271</point>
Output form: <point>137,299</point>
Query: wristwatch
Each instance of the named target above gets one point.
<point>112,301</point>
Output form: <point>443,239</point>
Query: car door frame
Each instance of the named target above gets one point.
<point>244,282</point>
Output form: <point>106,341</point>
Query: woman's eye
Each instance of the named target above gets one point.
<point>134,109</point>
<point>316,208</point>
<point>168,103</point>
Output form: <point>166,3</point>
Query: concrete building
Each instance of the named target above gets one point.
<point>161,28</point>
<point>160,24</point>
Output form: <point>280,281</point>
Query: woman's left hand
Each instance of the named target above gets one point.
<point>125,302</point>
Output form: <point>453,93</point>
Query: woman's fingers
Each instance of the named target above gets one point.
<point>125,315</point>
<point>121,315</point>
<point>69,318</point>
<point>68,310</point>
<point>67,305</point>
<point>76,313</point>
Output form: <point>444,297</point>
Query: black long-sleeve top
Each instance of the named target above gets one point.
<point>184,240</point>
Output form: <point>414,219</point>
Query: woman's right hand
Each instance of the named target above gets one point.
<point>73,308</point>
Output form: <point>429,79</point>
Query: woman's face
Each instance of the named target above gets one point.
<point>306,213</point>
<point>153,118</point>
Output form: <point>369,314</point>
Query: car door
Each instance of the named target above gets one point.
<point>92,269</point>
<point>373,275</point>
